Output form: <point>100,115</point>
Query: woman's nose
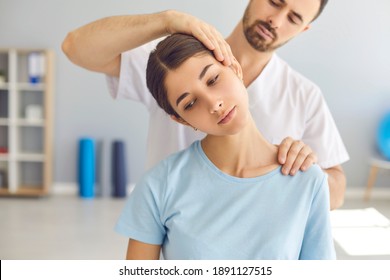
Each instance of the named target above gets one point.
<point>216,106</point>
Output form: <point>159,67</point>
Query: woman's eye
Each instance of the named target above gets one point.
<point>189,105</point>
<point>212,81</point>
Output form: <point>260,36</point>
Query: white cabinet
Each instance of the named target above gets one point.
<point>26,118</point>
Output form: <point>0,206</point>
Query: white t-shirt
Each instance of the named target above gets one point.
<point>282,102</point>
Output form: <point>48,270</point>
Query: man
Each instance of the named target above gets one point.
<point>283,102</point>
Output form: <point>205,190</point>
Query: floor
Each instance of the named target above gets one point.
<point>67,227</point>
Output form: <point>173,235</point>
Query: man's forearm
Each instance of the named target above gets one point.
<point>337,184</point>
<point>97,46</point>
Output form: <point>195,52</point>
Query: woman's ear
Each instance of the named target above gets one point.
<point>179,120</point>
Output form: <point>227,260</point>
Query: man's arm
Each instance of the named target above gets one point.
<point>97,46</point>
<point>337,184</point>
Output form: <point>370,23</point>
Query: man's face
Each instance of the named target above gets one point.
<point>269,24</point>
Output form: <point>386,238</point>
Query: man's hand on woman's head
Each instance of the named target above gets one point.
<point>179,22</point>
<point>295,155</point>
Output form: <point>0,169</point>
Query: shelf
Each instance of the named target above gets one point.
<point>27,122</point>
<point>4,157</point>
<point>26,112</point>
<point>25,191</point>
<point>4,86</point>
<point>4,100</point>
<point>4,121</point>
<point>30,87</point>
<point>22,122</point>
<point>31,157</point>
<point>24,157</point>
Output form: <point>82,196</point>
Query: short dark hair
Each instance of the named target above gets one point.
<point>169,54</point>
<point>322,6</point>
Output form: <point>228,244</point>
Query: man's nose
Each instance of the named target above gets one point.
<point>275,20</point>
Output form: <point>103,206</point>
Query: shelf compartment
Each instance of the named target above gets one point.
<point>4,147</point>
<point>4,112</point>
<point>29,103</point>
<point>31,140</point>
<point>3,175</point>
<point>4,67</point>
<point>23,66</point>
<point>30,175</point>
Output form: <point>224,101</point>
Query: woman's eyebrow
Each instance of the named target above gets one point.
<point>201,75</point>
<point>204,71</point>
<point>181,97</point>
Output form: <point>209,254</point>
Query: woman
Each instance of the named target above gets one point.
<point>224,197</point>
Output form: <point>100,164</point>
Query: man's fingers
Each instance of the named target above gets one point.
<point>293,156</point>
<point>303,161</point>
<point>284,147</point>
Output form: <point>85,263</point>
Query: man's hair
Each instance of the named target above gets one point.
<point>169,54</point>
<point>322,6</point>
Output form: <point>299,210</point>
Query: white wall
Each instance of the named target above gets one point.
<point>345,53</point>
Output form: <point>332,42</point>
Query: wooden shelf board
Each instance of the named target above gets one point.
<point>27,122</point>
<point>31,87</point>
<point>30,157</point>
<point>4,121</point>
<point>24,191</point>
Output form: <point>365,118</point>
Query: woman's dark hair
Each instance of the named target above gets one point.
<point>169,54</point>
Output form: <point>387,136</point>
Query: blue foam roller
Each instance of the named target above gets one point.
<point>86,170</point>
<point>383,136</point>
<point>118,169</point>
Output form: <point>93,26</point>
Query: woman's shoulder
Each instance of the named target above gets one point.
<point>173,163</point>
<point>316,170</point>
<point>316,176</point>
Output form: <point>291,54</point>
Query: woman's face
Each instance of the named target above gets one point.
<point>208,96</point>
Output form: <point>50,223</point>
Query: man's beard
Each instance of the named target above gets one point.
<point>256,40</point>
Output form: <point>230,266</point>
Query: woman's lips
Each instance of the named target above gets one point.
<point>226,118</point>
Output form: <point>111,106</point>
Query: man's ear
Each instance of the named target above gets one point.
<point>306,28</point>
<point>179,120</point>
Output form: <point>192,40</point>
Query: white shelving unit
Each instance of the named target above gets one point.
<point>25,142</point>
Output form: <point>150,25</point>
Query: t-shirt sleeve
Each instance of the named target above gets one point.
<point>140,219</point>
<point>131,83</point>
<point>318,242</point>
<point>321,133</point>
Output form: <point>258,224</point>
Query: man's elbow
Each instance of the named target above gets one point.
<point>337,202</point>
<point>337,192</point>
<point>68,48</point>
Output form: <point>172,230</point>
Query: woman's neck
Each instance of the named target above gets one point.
<point>245,154</point>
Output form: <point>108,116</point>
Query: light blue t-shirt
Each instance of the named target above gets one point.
<point>195,211</point>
